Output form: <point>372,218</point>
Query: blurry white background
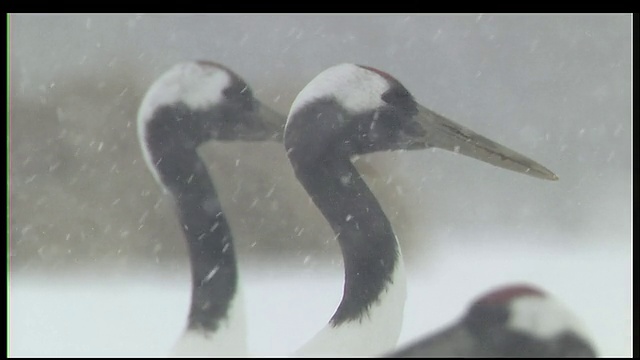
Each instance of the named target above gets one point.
<point>98,263</point>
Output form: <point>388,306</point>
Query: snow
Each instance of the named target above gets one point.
<point>556,88</point>
<point>143,315</point>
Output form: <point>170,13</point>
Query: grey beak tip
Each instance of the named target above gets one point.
<point>550,175</point>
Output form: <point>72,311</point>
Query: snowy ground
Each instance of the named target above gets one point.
<point>556,88</point>
<point>142,316</point>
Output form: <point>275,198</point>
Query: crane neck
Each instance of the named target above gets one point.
<point>370,313</point>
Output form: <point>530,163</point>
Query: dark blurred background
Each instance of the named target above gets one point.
<point>554,87</point>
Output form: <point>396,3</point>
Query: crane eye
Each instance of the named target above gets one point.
<point>240,93</point>
<point>397,96</point>
<point>401,101</point>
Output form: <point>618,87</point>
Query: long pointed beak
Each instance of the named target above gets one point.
<point>273,121</point>
<point>445,134</point>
